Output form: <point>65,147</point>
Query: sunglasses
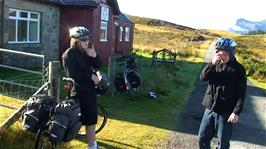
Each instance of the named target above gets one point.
<point>84,39</point>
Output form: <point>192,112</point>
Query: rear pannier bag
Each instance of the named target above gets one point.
<point>37,112</point>
<point>119,82</point>
<point>134,78</point>
<point>65,122</point>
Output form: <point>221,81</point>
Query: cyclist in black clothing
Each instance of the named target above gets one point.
<point>78,62</point>
<point>224,97</point>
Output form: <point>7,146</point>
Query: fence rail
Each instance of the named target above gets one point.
<point>18,84</point>
<point>20,69</point>
<point>22,53</point>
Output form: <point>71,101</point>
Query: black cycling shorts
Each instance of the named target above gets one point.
<point>87,100</point>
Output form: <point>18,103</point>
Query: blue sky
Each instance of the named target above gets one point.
<point>211,14</point>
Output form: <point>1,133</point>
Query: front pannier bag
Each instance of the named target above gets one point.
<point>37,112</point>
<point>65,122</point>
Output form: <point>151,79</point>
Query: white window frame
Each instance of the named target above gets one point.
<point>105,28</point>
<point>18,18</point>
<point>104,20</point>
<point>121,29</point>
<point>105,13</point>
<point>127,33</point>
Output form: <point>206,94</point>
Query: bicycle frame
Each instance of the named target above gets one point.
<point>126,70</point>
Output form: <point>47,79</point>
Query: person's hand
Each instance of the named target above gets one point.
<point>233,118</point>
<point>95,79</point>
<point>216,59</point>
<point>91,51</point>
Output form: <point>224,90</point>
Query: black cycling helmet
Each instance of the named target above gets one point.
<point>225,43</point>
<point>78,32</point>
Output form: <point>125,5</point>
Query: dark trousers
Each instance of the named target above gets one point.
<point>214,123</point>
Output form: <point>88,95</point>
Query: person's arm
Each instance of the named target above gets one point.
<point>241,92</point>
<point>96,62</point>
<point>240,95</point>
<point>207,72</point>
<point>69,64</point>
<point>209,69</point>
<point>94,58</point>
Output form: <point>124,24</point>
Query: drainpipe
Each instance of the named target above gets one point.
<point>2,30</point>
<point>2,24</point>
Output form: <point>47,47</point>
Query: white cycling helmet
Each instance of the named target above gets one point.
<point>78,32</point>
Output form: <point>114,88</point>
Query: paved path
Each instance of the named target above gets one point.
<point>248,133</point>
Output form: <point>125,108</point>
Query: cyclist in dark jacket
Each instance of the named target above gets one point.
<point>224,96</point>
<point>78,62</point>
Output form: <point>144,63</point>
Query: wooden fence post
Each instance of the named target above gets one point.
<point>54,78</point>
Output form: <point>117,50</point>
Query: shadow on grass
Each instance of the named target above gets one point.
<point>101,144</point>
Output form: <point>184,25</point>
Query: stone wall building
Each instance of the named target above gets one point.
<point>29,27</point>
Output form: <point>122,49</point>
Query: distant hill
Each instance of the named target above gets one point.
<point>157,22</point>
<point>245,26</point>
<point>162,23</point>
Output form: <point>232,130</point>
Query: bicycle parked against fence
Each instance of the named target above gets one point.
<point>130,78</point>
<point>51,123</point>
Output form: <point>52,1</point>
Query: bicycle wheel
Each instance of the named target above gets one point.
<point>42,142</point>
<point>132,92</point>
<point>102,119</point>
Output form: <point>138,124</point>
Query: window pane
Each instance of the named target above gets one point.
<point>11,30</point>
<point>105,13</point>
<point>103,34</point>
<point>22,30</point>
<point>23,14</point>
<point>127,34</point>
<point>34,15</point>
<point>121,34</point>
<point>12,13</point>
<point>103,24</point>
<point>33,31</point>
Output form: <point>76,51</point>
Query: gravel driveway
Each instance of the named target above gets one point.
<point>248,133</point>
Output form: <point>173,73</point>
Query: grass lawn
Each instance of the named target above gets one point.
<point>257,83</point>
<point>144,123</point>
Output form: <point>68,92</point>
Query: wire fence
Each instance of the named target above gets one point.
<point>21,81</point>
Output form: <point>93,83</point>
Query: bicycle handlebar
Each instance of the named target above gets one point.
<point>69,80</point>
<point>70,86</point>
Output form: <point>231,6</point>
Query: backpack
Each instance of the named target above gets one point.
<point>37,112</point>
<point>65,122</point>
